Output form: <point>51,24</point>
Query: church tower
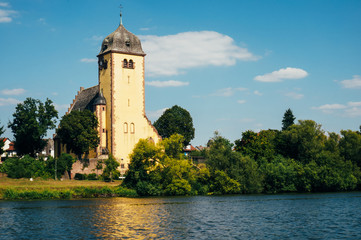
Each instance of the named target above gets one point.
<point>121,78</point>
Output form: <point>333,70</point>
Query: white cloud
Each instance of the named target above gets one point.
<point>351,109</point>
<point>327,107</point>
<point>170,83</point>
<point>6,15</point>
<point>355,82</point>
<point>353,112</point>
<point>8,101</point>
<point>12,92</point>
<point>156,114</point>
<point>227,92</point>
<point>256,92</point>
<point>354,104</point>
<point>294,95</point>
<point>282,74</point>
<point>241,101</point>
<point>172,54</point>
<point>88,60</point>
<point>144,29</point>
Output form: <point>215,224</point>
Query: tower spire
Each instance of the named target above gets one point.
<point>120,6</point>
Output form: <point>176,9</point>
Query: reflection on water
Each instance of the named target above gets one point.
<point>316,216</point>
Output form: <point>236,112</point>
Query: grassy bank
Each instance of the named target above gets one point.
<point>20,189</point>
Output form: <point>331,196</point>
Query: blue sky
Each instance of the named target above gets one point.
<point>234,65</point>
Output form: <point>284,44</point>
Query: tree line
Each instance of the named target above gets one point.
<point>299,158</point>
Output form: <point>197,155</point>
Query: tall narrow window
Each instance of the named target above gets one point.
<point>125,126</point>
<point>128,102</point>
<point>125,63</point>
<point>132,128</point>
<point>128,79</point>
<point>131,64</point>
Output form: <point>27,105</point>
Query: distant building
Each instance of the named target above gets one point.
<point>118,100</point>
<point>49,149</point>
<point>8,148</point>
<point>195,153</point>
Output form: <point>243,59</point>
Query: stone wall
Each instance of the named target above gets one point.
<point>86,167</point>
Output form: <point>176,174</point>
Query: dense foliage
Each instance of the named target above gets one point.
<point>175,120</point>
<point>32,120</point>
<point>29,167</point>
<point>110,171</point>
<point>301,158</point>
<point>78,131</point>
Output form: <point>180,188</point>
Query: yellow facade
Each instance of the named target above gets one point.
<point>123,89</point>
<point>118,99</point>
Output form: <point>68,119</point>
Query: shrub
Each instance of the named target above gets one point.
<point>92,176</point>
<point>79,176</point>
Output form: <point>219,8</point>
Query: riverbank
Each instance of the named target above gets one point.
<point>24,189</point>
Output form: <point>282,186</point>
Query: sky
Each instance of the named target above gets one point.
<point>234,65</point>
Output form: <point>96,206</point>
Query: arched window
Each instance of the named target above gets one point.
<point>125,127</point>
<point>125,63</point>
<point>131,64</point>
<point>132,128</point>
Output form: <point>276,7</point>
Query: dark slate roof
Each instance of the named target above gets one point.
<point>85,99</point>
<point>121,40</point>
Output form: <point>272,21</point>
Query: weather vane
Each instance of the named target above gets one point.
<point>120,6</point>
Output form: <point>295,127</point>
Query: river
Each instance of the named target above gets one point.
<point>283,216</point>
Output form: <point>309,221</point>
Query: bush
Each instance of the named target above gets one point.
<point>79,176</point>
<point>178,187</point>
<point>25,167</point>
<point>92,176</point>
<point>223,184</point>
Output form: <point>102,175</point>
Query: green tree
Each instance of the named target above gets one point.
<point>78,131</point>
<point>223,184</point>
<point>288,119</point>
<point>280,175</point>
<point>160,169</point>
<point>220,155</point>
<point>143,161</point>
<point>257,145</point>
<point>350,146</point>
<point>32,120</point>
<point>175,120</point>
<point>110,170</point>
<point>25,167</point>
<point>302,141</point>
<point>61,165</point>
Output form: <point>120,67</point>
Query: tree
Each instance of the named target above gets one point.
<point>288,119</point>
<point>350,146</point>
<point>257,145</point>
<point>175,120</point>
<point>160,169</point>
<point>1,139</point>
<point>60,165</point>
<point>78,131</point>
<point>32,120</point>
<point>302,141</point>
<point>110,170</point>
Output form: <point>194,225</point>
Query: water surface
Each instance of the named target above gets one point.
<point>286,216</point>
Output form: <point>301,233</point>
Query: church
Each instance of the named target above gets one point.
<point>118,100</point>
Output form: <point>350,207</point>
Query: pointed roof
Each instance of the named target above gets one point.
<point>100,100</point>
<point>122,41</point>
